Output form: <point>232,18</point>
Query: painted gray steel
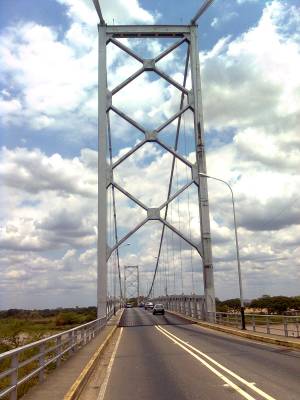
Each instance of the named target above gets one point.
<point>187,34</point>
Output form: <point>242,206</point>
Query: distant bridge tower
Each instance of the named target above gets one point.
<point>131,282</point>
<point>191,100</point>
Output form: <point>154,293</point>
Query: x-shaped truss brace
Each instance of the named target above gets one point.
<point>151,136</point>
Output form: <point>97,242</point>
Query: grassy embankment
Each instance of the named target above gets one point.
<point>19,327</point>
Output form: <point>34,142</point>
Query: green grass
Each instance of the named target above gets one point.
<point>15,331</point>
<point>27,327</point>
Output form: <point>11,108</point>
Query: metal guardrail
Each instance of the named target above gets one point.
<point>31,361</point>
<point>193,306</point>
<point>282,325</point>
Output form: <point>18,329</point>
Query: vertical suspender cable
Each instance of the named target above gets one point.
<point>172,247</point>
<point>167,261</point>
<point>114,208</point>
<point>179,226</point>
<point>172,167</point>
<point>189,212</point>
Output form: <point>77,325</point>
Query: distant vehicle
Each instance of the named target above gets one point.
<point>128,305</point>
<point>158,309</point>
<point>141,305</point>
<point>149,305</point>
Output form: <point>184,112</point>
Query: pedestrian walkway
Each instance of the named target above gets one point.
<point>58,382</point>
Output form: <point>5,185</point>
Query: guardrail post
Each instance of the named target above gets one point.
<point>195,308</point>
<point>58,351</point>
<point>189,308</point>
<point>70,337</point>
<point>14,376</point>
<point>268,325</point>
<point>75,340</point>
<point>286,331</point>
<point>81,341</point>
<point>42,348</point>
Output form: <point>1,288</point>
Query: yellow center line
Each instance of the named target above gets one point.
<point>191,350</point>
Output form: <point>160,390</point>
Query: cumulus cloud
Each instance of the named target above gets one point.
<point>255,77</point>
<point>117,12</point>
<point>55,79</point>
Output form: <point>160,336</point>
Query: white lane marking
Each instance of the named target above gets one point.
<point>251,385</point>
<point>109,368</point>
<point>179,342</point>
<point>212,369</point>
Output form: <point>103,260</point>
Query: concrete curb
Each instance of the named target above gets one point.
<point>82,379</point>
<point>245,334</point>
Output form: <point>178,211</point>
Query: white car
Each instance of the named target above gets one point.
<point>149,305</point>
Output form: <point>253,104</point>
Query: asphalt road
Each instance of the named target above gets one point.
<point>164,357</point>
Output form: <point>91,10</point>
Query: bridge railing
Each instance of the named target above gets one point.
<point>193,306</point>
<point>283,325</point>
<point>30,363</point>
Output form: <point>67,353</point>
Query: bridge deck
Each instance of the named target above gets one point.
<point>149,364</point>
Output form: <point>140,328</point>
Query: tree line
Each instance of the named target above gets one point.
<point>272,304</point>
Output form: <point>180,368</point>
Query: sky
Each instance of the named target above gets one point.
<point>250,62</point>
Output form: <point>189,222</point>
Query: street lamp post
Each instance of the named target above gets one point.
<point>237,248</point>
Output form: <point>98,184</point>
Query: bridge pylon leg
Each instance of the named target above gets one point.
<point>102,177</point>
<point>208,277</point>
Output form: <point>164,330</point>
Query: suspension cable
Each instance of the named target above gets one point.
<point>189,212</point>
<point>201,11</point>
<point>99,12</point>
<point>114,207</point>
<point>167,260</point>
<point>179,226</point>
<point>172,167</point>
<point>172,247</point>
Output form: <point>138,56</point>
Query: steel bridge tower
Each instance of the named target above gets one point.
<point>131,282</point>
<point>190,100</point>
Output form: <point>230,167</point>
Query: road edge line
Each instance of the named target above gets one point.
<point>85,374</point>
<point>243,334</point>
<point>103,387</point>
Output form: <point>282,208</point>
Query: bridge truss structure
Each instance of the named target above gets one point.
<point>190,100</point>
<point>131,282</point>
